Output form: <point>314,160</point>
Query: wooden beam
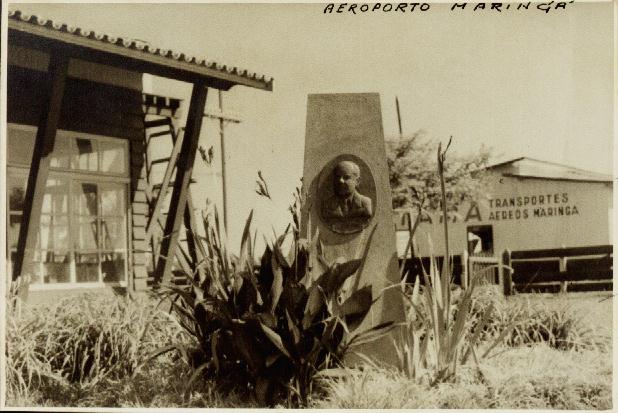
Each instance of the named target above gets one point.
<point>224,116</point>
<point>39,167</point>
<point>184,167</point>
<point>191,226</point>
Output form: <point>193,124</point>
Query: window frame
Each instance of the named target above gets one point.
<point>72,136</point>
<point>73,176</point>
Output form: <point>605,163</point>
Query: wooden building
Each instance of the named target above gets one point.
<point>82,210</point>
<point>529,205</point>
<point>554,219</point>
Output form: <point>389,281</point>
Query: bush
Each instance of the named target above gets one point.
<point>77,343</point>
<point>444,326</point>
<point>488,301</point>
<point>272,328</point>
<point>560,326</point>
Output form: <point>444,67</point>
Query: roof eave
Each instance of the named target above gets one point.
<point>604,181</point>
<point>41,37</point>
<point>499,164</point>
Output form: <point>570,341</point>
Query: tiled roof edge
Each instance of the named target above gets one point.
<point>139,45</point>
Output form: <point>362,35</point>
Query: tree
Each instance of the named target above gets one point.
<point>414,178</point>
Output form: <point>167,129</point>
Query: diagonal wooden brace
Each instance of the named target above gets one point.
<point>39,167</point>
<point>184,167</point>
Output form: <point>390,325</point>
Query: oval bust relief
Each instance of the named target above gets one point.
<point>346,194</point>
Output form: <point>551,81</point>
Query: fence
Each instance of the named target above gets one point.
<point>486,269</point>
<point>414,267</point>
<point>581,267</point>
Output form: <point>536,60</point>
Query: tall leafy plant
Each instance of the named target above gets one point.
<point>272,325</point>
<point>436,336</point>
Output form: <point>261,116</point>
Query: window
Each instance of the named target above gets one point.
<point>480,240</point>
<point>82,238</point>
<point>52,255</point>
<point>72,151</point>
<point>100,233</point>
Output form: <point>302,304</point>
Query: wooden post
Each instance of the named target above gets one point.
<point>39,167</point>
<point>223,169</point>
<point>508,274</point>
<point>180,192</point>
<point>564,285</point>
<point>500,274</point>
<point>563,264</point>
<point>464,269</point>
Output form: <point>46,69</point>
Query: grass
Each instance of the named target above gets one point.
<point>535,374</point>
<point>563,321</point>
<point>541,377</point>
<point>526,376</point>
<point>595,308</point>
<point>94,351</point>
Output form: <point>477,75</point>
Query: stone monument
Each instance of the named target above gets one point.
<point>349,200</point>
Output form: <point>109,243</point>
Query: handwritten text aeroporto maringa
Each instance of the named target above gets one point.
<point>358,8</point>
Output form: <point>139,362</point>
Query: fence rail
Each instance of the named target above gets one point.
<point>561,267</point>
<point>582,267</point>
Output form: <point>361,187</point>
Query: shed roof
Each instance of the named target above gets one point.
<point>40,33</point>
<point>525,167</point>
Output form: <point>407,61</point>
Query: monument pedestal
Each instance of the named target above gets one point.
<point>349,201</point>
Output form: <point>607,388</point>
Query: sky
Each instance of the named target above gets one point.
<point>525,83</point>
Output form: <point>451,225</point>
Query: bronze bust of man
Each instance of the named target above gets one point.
<point>347,202</point>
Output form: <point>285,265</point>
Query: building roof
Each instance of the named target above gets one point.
<point>41,33</point>
<point>525,167</point>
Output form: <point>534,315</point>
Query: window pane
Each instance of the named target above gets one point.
<point>85,157</point>
<point>44,239</point>
<point>62,153</point>
<point>112,200</point>
<point>113,237</point>
<point>37,258</point>
<point>87,267</point>
<point>14,224</point>
<point>87,233</point>
<point>112,267</point>
<point>86,199</point>
<point>53,233</point>
<point>54,266</point>
<point>56,197</point>
<point>20,146</point>
<point>60,232</point>
<point>112,157</point>
<point>17,192</point>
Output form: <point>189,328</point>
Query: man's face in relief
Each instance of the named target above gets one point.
<point>346,178</point>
